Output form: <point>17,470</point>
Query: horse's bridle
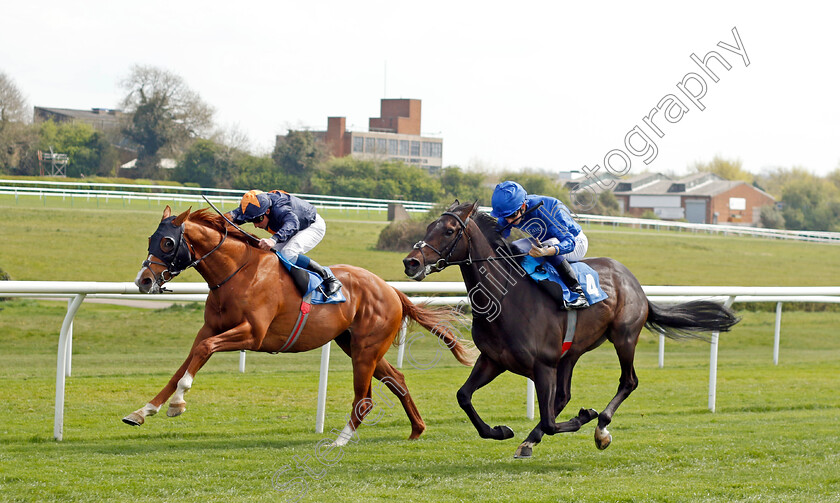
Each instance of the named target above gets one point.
<point>180,258</point>
<point>443,262</point>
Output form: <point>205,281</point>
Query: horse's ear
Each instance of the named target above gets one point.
<point>182,217</point>
<point>474,208</point>
<point>167,212</point>
<point>453,205</point>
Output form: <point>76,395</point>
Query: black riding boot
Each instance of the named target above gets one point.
<point>331,285</point>
<point>300,278</point>
<point>567,274</point>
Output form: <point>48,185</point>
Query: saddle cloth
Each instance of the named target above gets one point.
<point>541,270</point>
<point>316,296</point>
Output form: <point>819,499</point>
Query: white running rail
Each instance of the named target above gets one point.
<point>78,291</point>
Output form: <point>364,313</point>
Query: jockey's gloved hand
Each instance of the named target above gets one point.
<point>267,244</point>
<point>544,251</point>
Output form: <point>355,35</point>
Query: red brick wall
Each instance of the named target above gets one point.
<point>335,139</point>
<point>755,199</point>
<point>398,116</point>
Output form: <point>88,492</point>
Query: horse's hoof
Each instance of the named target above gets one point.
<point>603,439</point>
<point>176,409</point>
<point>504,431</point>
<point>523,451</point>
<point>133,419</point>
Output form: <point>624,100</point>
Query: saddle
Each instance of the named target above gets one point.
<point>308,284</point>
<point>546,276</point>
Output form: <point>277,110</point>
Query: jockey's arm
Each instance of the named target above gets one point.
<point>288,228</point>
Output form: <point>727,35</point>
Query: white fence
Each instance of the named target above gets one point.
<point>163,193</point>
<point>77,292</point>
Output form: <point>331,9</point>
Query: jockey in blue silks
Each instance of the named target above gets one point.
<point>295,225</point>
<point>544,218</point>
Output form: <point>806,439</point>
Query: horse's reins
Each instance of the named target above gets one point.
<point>444,262</point>
<point>255,238</point>
<point>172,269</point>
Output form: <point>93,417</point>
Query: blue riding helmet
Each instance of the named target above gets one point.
<point>254,204</point>
<point>507,198</point>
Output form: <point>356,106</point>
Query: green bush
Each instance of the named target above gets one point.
<point>401,235</point>
<point>4,276</point>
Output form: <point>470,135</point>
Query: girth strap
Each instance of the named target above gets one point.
<point>305,308</point>
<point>571,325</point>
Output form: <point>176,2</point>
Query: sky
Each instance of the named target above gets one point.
<point>550,86</point>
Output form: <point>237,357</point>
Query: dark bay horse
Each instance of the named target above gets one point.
<point>518,327</point>
<point>253,304</point>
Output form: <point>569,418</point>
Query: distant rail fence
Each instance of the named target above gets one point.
<point>76,292</point>
<point>171,193</point>
<point>728,230</point>
<point>164,193</point>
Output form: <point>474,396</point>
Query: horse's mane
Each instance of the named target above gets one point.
<point>487,224</point>
<point>209,218</point>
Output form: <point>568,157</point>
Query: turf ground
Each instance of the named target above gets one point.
<point>249,437</point>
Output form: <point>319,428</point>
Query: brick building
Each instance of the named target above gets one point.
<point>394,135</point>
<point>698,198</point>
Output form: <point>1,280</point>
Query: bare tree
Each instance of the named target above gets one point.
<point>165,114</point>
<point>13,106</point>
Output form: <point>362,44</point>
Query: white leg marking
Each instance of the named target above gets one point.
<point>345,436</point>
<point>184,385</point>
<point>149,410</point>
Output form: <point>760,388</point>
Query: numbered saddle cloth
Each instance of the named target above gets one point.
<point>540,269</point>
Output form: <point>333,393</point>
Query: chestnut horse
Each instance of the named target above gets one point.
<point>253,304</point>
<point>518,327</point>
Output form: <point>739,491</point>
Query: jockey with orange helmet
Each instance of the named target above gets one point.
<point>295,225</point>
<point>543,218</point>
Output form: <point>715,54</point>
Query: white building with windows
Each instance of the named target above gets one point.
<point>395,136</point>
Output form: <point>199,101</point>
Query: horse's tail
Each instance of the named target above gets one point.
<point>441,323</point>
<point>690,319</point>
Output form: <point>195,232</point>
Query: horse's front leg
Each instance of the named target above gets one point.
<point>563,393</point>
<point>205,344</point>
<point>483,372</point>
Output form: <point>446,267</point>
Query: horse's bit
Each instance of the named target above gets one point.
<point>444,262</point>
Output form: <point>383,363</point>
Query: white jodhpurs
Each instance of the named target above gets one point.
<point>581,247</point>
<point>304,240</point>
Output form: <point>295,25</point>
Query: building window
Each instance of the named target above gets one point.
<point>415,148</point>
<point>435,149</point>
<point>358,144</point>
<point>427,149</point>
<point>403,147</point>
<point>370,145</point>
<point>392,147</point>
<point>381,145</point>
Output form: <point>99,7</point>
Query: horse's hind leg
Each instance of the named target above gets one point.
<point>625,348</point>
<point>394,380</point>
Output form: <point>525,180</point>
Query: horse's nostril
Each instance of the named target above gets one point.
<point>146,281</point>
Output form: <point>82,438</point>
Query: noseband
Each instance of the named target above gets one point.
<point>443,262</point>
